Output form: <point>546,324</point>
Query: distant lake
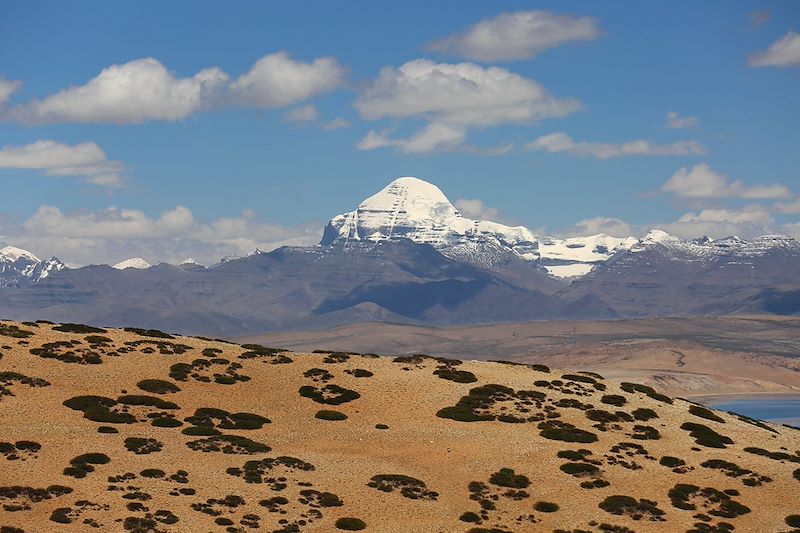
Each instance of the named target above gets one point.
<point>785,409</point>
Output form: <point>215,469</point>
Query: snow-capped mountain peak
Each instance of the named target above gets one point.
<point>20,267</point>
<point>13,254</point>
<point>410,208</point>
<point>134,262</point>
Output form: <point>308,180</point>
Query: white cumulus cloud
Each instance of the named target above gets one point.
<point>700,181</point>
<point>144,90</point>
<point>784,52</point>
<point>561,142</point>
<point>453,98</point>
<point>7,88</point>
<point>133,92</point>
<point>86,161</point>
<point>276,80</point>
<point>518,35</point>
<point>113,234</point>
<point>749,222</point>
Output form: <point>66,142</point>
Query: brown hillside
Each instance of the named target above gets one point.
<point>112,430</point>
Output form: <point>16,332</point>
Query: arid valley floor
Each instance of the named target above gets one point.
<point>140,431</point>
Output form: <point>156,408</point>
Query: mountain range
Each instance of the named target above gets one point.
<point>406,254</point>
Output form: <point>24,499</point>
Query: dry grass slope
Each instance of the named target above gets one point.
<point>142,431</point>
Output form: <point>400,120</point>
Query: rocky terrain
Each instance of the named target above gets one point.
<point>142,431</point>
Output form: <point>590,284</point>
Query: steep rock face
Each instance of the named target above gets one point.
<point>20,267</point>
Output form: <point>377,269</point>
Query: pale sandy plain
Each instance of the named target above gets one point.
<point>446,470</point>
<point>693,357</point>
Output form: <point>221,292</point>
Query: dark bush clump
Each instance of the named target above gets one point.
<point>546,507</point>
<point>705,436</point>
<point>613,399</point>
<point>644,414</point>
<point>158,386</point>
<point>671,462</point>
<point>636,509</point>
<point>78,328</point>
<point>563,431</point>
<point>702,412</point>
<point>409,487</point>
<point>359,373</point>
<point>459,376</point>
<point>507,478</point>
<point>649,391</point>
<point>325,414</point>
<point>350,524</point>
<point>150,333</point>
<point>142,446</point>
<point>329,394</point>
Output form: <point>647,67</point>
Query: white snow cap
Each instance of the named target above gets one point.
<point>134,262</point>
<point>414,209</point>
<point>12,254</point>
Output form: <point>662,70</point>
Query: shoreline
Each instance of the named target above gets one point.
<point>716,399</point>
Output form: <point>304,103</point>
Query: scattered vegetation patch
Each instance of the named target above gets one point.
<point>776,456</point>
<point>708,500</point>
<point>83,464</point>
<point>217,418</point>
<point>329,394</point>
<point>705,436</point>
<point>158,386</point>
<point>67,352</point>
<point>8,379</point>
<point>20,498</point>
<point>749,478</point>
<point>20,450</point>
<point>217,369</point>
<point>359,372</point>
<point>163,347</point>
<point>633,508</point>
<point>142,446</point>
<point>262,471</point>
<point>228,444</point>
<point>408,487</point>
<point>318,375</point>
<point>644,389</point>
<point>271,356</point>
<point>14,331</point>
<point>563,431</point>
<point>498,402</point>
<point>99,409</point>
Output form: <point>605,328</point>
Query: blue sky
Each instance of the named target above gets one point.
<point>544,122</point>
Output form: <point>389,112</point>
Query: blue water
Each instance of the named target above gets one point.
<point>775,409</point>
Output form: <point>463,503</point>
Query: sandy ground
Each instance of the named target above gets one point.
<point>445,457</point>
